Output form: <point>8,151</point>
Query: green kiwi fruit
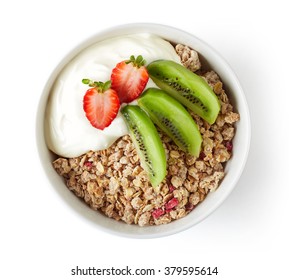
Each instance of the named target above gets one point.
<point>147,142</point>
<point>187,87</point>
<point>173,119</point>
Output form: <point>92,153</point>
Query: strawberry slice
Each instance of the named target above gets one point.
<point>129,78</point>
<point>100,103</point>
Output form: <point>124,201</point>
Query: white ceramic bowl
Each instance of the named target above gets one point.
<point>233,169</point>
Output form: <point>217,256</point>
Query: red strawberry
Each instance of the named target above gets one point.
<point>100,103</point>
<point>129,78</point>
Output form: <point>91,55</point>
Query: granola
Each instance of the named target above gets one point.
<point>113,181</point>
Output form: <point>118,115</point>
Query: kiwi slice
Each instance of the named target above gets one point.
<point>187,87</point>
<point>147,142</point>
<point>173,119</point>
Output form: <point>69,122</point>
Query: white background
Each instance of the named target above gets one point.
<point>247,237</point>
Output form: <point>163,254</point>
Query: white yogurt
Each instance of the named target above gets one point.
<point>68,132</point>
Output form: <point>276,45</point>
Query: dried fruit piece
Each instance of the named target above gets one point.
<point>157,213</point>
<point>229,146</point>
<point>172,203</point>
<point>88,164</point>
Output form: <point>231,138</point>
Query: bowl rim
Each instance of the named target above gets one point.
<point>158,29</point>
